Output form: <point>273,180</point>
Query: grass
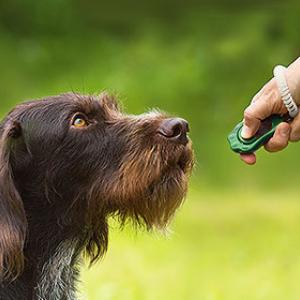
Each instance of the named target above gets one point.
<point>225,246</point>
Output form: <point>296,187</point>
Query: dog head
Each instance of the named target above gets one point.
<point>76,160</point>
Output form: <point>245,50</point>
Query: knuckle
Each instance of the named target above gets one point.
<point>294,137</point>
<point>248,113</point>
<point>295,132</point>
<point>276,145</point>
<point>269,148</point>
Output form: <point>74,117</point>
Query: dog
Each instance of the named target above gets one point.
<point>67,164</point>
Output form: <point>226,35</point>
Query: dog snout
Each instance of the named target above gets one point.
<point>175,129</point>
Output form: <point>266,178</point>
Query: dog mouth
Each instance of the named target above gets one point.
<point>184,160</point>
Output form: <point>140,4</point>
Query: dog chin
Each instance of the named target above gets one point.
<point>173,183</point>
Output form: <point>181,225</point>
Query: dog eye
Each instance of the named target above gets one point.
<point>79,121</point>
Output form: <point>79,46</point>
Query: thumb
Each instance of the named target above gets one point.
<point>253,114</point>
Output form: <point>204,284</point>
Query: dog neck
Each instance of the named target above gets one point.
<point>47,276</point>
<point>54,266</point>
<point>58,274</point>
<point>52,256</point>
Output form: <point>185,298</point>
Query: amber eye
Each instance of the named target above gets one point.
<point>79,121</point>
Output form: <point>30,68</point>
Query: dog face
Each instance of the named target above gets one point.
<point>78,160</point>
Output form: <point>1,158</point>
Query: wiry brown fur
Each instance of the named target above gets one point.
<point>60,184</point>
<point>13,221</point>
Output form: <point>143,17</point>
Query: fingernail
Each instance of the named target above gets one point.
<point>285,131</point>
<point>245,132</point>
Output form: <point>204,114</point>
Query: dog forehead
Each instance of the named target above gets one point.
<point>56,106</point>
<point>70,101</point>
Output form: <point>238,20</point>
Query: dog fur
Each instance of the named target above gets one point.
<point>59,185</point>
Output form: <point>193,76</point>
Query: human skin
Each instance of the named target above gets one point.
<point>267,102</point>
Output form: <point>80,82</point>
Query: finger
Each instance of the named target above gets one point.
<point>295,129</point>
<point>257,96</point>
<point>253,115</point>
<point>249,159</point>
<point>280,138</point>
<point>269,86</point>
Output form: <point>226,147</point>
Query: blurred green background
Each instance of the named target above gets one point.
<point>238,234</point>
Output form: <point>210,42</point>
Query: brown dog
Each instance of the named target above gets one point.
<point>68,163</point>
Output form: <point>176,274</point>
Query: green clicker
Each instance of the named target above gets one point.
<point>268,126</point>
<point>265,132</point>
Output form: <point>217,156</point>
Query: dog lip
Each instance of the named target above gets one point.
<point>182,163</point>
<point>184,159</point>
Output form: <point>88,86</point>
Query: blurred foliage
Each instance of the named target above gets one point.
<point>203,60</point>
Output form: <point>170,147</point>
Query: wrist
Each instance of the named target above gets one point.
<point>274,96</point>
<point>293,80</point>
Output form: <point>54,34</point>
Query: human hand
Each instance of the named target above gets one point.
<point>268,101</point>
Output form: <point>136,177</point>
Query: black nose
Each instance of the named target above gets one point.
<point>174,129</point>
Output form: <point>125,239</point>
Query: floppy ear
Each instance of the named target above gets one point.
<point>12,215</point>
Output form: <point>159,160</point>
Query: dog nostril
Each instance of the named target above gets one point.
<point>177,130</point>
<point>173,128</point>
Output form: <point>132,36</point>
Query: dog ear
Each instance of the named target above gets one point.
<point>13,222</point>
